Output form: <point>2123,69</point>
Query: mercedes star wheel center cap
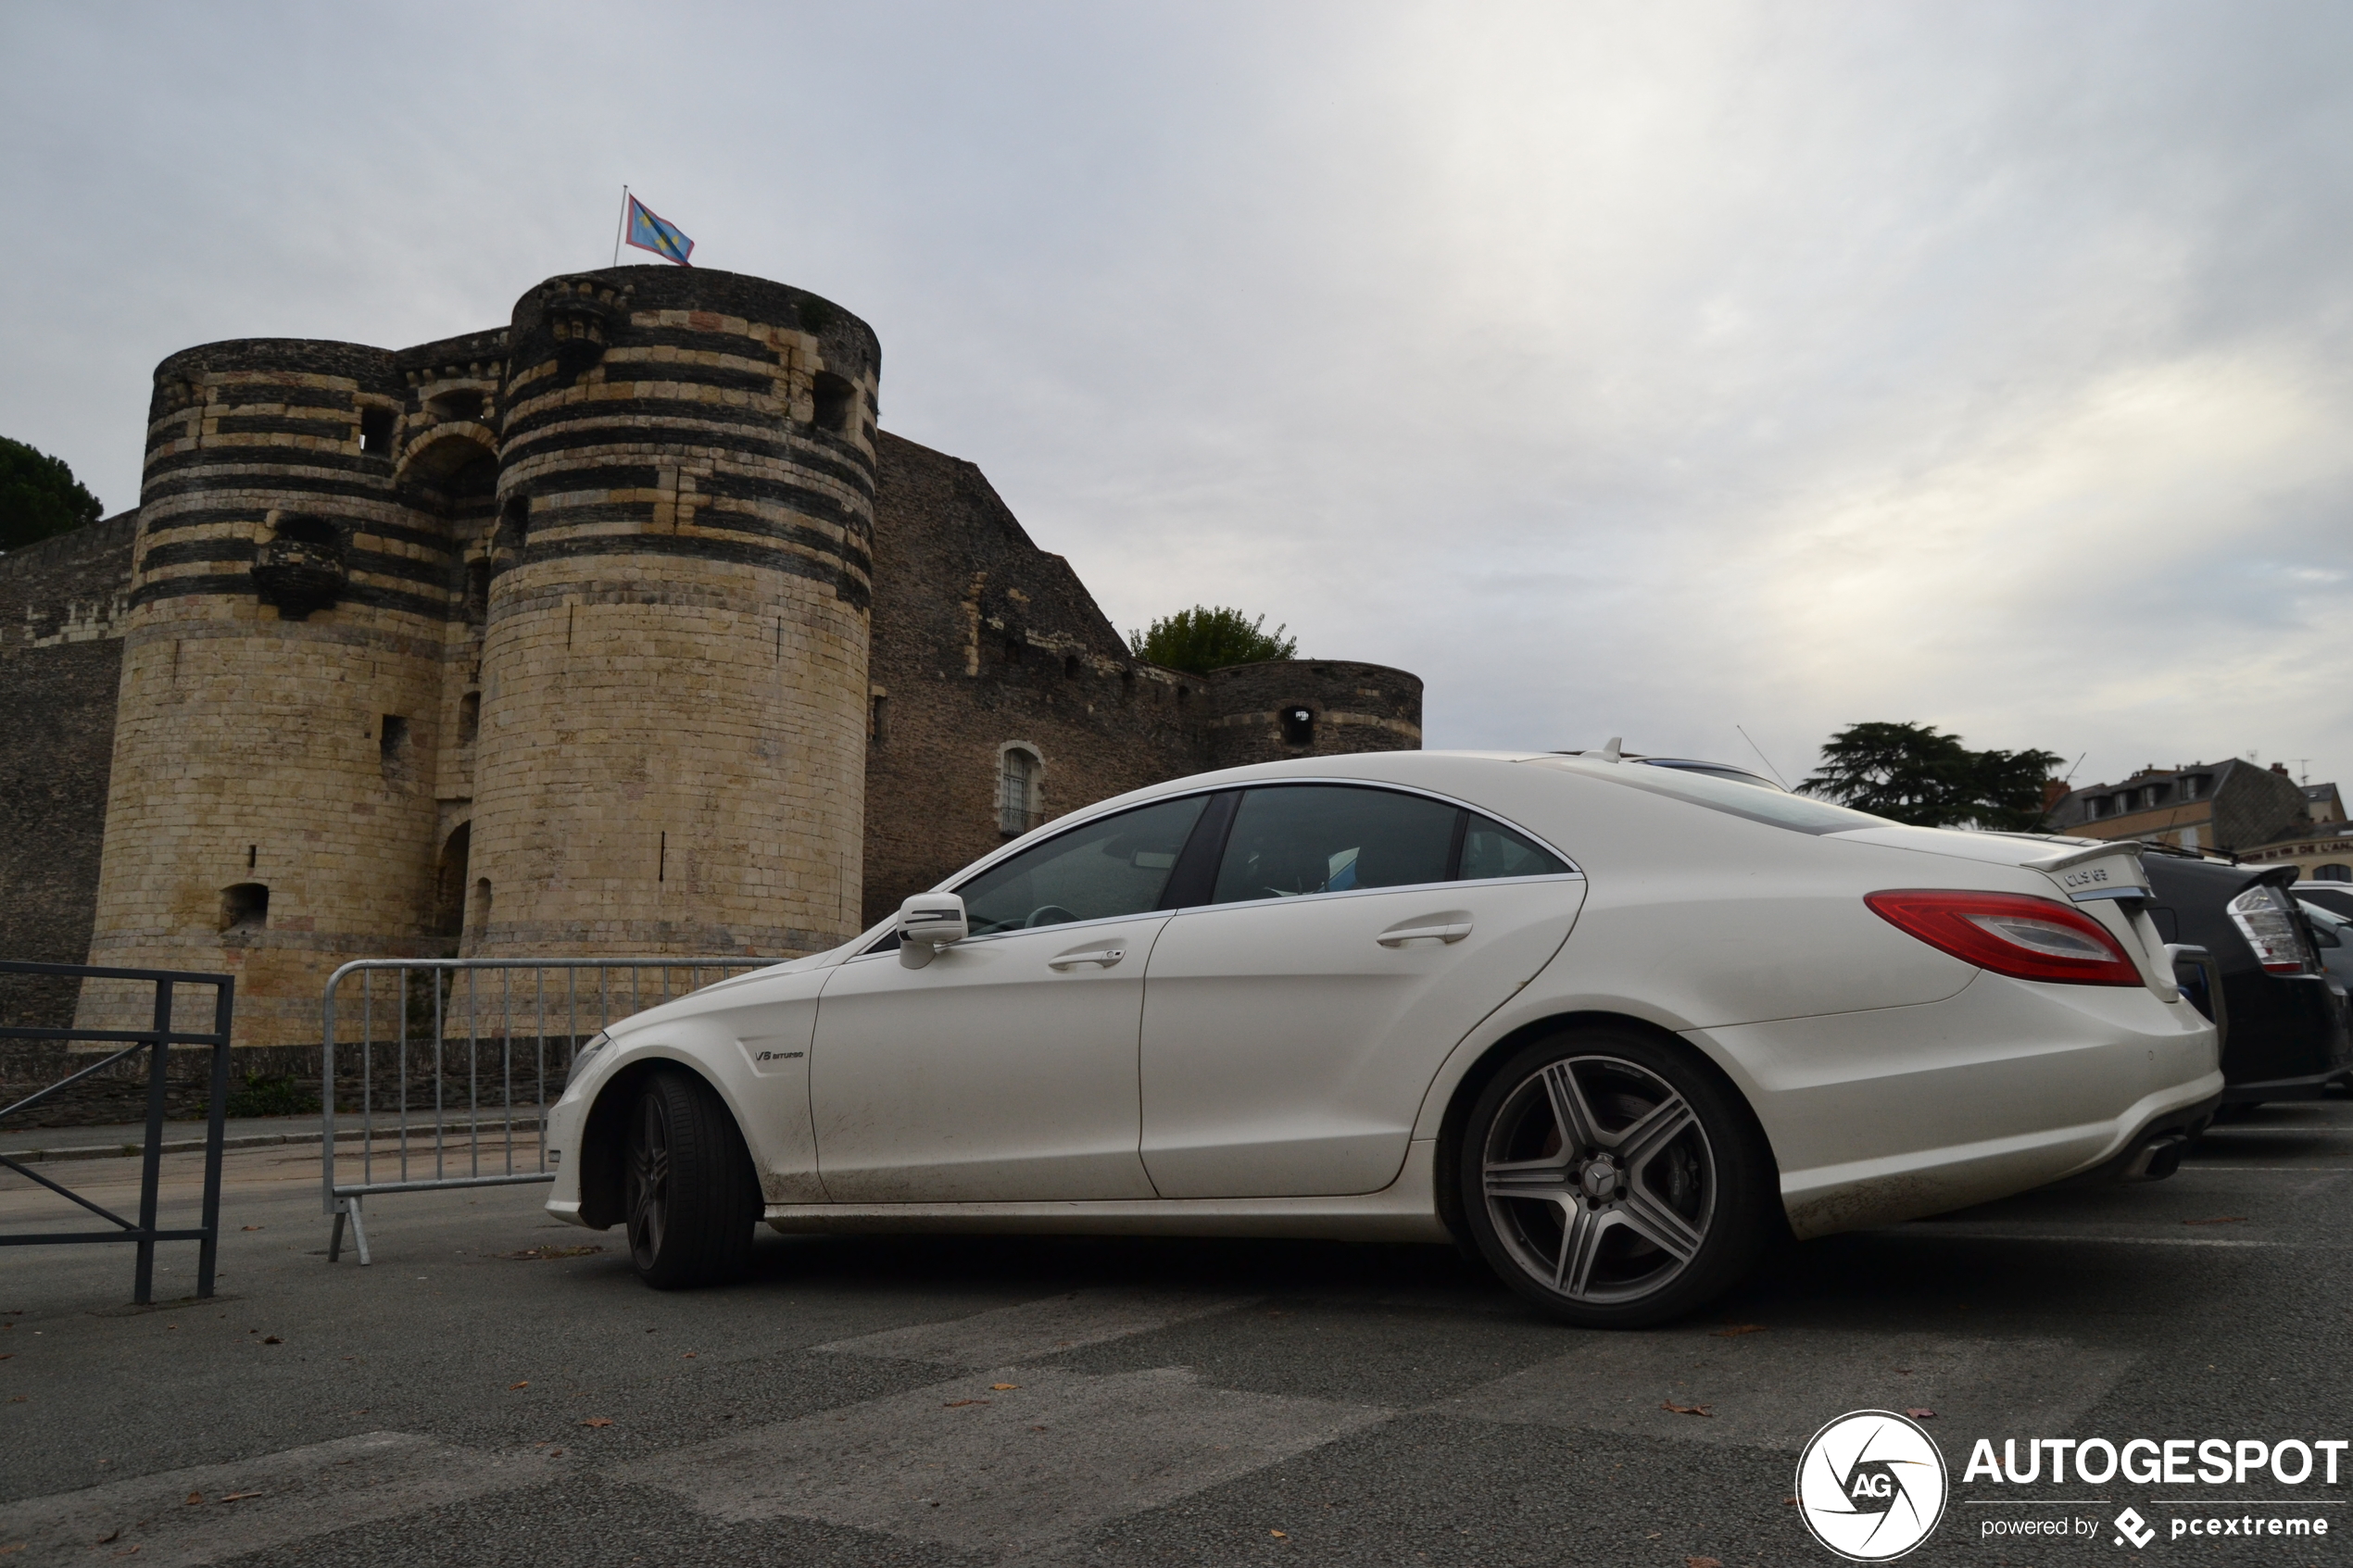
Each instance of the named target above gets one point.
<point>1601,1176</point>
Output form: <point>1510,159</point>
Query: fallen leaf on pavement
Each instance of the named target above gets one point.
<point>1702,1563</point>
<point>597,1421</point>
<point>193,1499</point>
<point>2224,1220</point>
<point>1685,1410</point>
<point>1735,1330</point>
<point>958,1404</point>
<point>271,1339</point>
<point>1004,1388</point>
<point>1788,1502</point>
<point>1278,1535</point>
<point>1921,1413</point>
<point>512,1387</point>
<point>239,1497</point>
<point>689,1356</point>
<point>110,1537</point>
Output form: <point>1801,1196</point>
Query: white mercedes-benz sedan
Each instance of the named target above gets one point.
<point>1614,1026</point>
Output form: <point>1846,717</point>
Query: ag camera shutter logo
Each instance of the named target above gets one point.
<point>1871,1486</point>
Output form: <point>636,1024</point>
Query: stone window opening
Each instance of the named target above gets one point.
<point>878,722</point>
<point>392,745</point>
<point>1299,725</point>
<point>833,397</point>
<point>1020,797</point>
<point>375,432</point>
<point>253,853</point>
<point>469,717</point>
<point>1069,667</point>
<point>1014,641</point>
<point>478,591</point>
<point>449,884</point>
<point>244,906</point>
<point>480,922</point>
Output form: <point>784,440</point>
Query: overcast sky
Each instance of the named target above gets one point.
<point>1637,370</point>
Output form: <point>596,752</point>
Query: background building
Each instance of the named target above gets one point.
<point>622,628</point>
<point>2229,806</point>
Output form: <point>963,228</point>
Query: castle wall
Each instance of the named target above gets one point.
<point>60,658</point>
<point>983,641</point>
<point>619,629</point>
<point>674,670</point>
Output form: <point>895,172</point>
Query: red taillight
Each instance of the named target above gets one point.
<point>2025,938</point>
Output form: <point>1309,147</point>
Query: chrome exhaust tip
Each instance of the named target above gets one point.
<point>2157,1159</point>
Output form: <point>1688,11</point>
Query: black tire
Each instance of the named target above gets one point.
<point>1614,1181</point>
<point>690,1198</point>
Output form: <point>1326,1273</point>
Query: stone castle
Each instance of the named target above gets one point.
<point>620,628</point>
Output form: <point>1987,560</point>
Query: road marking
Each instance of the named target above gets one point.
<point>1966,1232</point>
<point>975,1466</point>
<point>304,1492</point>
<point>1770,1390</point>
<point>1005,1334</point>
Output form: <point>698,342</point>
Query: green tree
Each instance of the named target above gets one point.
<point>38,496</point>
<point>1916,773</point>
<point>1202,639</point>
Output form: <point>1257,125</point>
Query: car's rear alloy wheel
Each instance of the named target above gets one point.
<point>1613,1181</point>
<point>689,1195</point>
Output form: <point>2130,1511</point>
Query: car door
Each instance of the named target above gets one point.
<point>1003,1071</point>
<point>1354,936</point>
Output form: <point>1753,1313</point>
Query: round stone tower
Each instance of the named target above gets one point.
<point>671,747</point>
<point>281,677</point>
<point>1312,708</point>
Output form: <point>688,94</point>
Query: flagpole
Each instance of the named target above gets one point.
<point>620,228</point>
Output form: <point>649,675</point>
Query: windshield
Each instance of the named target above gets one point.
<point>1797,813</point>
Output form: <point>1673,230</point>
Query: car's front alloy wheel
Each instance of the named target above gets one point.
<point>689,1196</point>
<point>1614,1181</point>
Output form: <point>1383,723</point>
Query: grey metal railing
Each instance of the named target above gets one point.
<point>465,1090</point>
<point>157,1039</point>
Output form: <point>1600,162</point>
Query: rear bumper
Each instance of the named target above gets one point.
<point>2155,1152</point>
<point>1902,1112</point>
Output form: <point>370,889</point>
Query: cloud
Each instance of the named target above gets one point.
<point>1621,369</point>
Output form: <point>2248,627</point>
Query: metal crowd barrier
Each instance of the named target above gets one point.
<point>157,1038</point>
<point>460,1051</point>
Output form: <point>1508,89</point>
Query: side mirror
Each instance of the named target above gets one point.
<point>928,921</point>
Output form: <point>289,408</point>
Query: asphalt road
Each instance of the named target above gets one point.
<point>975,1401</point>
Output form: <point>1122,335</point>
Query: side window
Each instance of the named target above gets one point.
<point>1329,838</point>
<point>1118,866</point>
<point>1490,849</point>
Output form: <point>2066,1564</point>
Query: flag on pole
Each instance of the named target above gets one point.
<point>649,232</point>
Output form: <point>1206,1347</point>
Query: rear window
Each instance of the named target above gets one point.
<point>1798,812</point>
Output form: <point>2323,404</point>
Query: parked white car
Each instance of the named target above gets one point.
<point>1613,1025</point>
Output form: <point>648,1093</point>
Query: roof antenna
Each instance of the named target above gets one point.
<point>1762,757</point>
<point>1610,752</point>
<point>2070,772</point>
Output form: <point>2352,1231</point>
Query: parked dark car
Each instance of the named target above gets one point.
<point>2332,931</point>
<point>2286,1037</point>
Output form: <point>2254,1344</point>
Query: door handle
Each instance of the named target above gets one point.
<point>1103,955</point>
<point>1449,931</point>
